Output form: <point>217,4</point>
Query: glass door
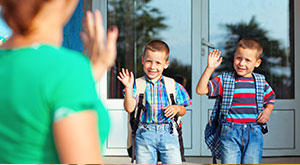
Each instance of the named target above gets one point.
<point>172,21</point>
<point>272,22</point>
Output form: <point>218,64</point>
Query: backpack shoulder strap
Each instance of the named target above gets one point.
<point>171,92</point>
<point>141,87</point>
<point>170,89</point>
<point>228,91</point>
<point>259,87</point>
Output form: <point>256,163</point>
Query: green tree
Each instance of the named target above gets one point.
<point>138,22</point>
<point>175,69</point>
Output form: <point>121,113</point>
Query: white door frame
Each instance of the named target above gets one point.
<point>205,102</point>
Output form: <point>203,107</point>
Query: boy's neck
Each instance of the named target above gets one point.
<point>243,76</point>
<point>154,80</point>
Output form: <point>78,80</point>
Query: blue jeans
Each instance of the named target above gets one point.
<point>157,139</point>
<point>241,143</point>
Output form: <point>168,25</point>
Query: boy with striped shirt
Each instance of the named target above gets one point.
<point>241,135</point>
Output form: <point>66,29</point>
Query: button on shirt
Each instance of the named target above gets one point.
<point>157,100</point>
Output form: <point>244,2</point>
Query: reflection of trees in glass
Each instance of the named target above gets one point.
<point>277,63</point>
<point>177,69</point>
<point>138,23</point>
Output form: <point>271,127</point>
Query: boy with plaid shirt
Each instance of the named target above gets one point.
<point>155,135</point>
<point>247,101</point>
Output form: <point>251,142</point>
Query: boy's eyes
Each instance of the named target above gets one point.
<point>157,63</point>
<point>240,58</point>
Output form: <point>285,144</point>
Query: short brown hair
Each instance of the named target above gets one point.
<point>19,14</point>
<point>157,46</point>
<point>251,43</point>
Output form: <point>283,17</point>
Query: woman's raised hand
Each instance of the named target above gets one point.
<point>101,53</point>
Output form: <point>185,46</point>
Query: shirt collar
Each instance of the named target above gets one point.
<point>159,80</point>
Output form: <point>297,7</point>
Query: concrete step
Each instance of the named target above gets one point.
<point>208,160</point>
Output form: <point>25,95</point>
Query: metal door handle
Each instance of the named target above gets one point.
<point>208,44</point>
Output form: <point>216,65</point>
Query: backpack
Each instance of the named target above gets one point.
<point>221,108</point>
<point>134,117</point>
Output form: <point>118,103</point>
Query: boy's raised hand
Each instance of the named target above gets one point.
<point>126,78</point>
<point>214,60</point>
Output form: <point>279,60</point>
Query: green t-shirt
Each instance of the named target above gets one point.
<point>39,85</point>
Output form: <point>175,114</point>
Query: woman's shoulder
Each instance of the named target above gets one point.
<point>43,53</point>
<point>61,53</point>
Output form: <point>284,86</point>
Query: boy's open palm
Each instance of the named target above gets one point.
<point>214,60</point>
<point>126,78</point>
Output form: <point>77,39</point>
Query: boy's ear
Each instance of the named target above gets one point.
<point>167,64</point>
<point>258,62</point>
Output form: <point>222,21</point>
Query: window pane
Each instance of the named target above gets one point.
<point>270,21</point>
<point>140,21</point>
<point>5,31</point>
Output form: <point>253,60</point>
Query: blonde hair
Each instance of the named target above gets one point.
<point>251,43</point>
<point>157,46</point>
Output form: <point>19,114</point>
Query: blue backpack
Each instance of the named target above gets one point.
<point>221,108</point>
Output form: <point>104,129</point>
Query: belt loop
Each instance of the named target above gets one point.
<point>145,126</point>
<point>252,126</point>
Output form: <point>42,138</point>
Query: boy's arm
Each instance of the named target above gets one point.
<point>183,100</point>
<point>202,86</point>
<point>128,80</point>
<point>182,110</point>
<point>214,60</point>
<point>264,115</point>
<point>129,101</point>
<point>269,101</point>
<point>173,110</point>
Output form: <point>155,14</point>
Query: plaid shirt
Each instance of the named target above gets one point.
<point>157,100</point>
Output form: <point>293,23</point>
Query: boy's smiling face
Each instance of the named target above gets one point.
<point>245,60</point>
<point>154,64</point>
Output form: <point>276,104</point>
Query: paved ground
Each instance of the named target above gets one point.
<point>208,160</point>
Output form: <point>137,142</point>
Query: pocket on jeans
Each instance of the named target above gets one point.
<point>140,131</point>
<point>257,131</point>
<point>225,130</point>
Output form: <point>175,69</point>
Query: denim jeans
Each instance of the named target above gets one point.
<point>157,139</point>
<point>241,143</point>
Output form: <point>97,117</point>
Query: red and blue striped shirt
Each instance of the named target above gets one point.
<point>243,107</point>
